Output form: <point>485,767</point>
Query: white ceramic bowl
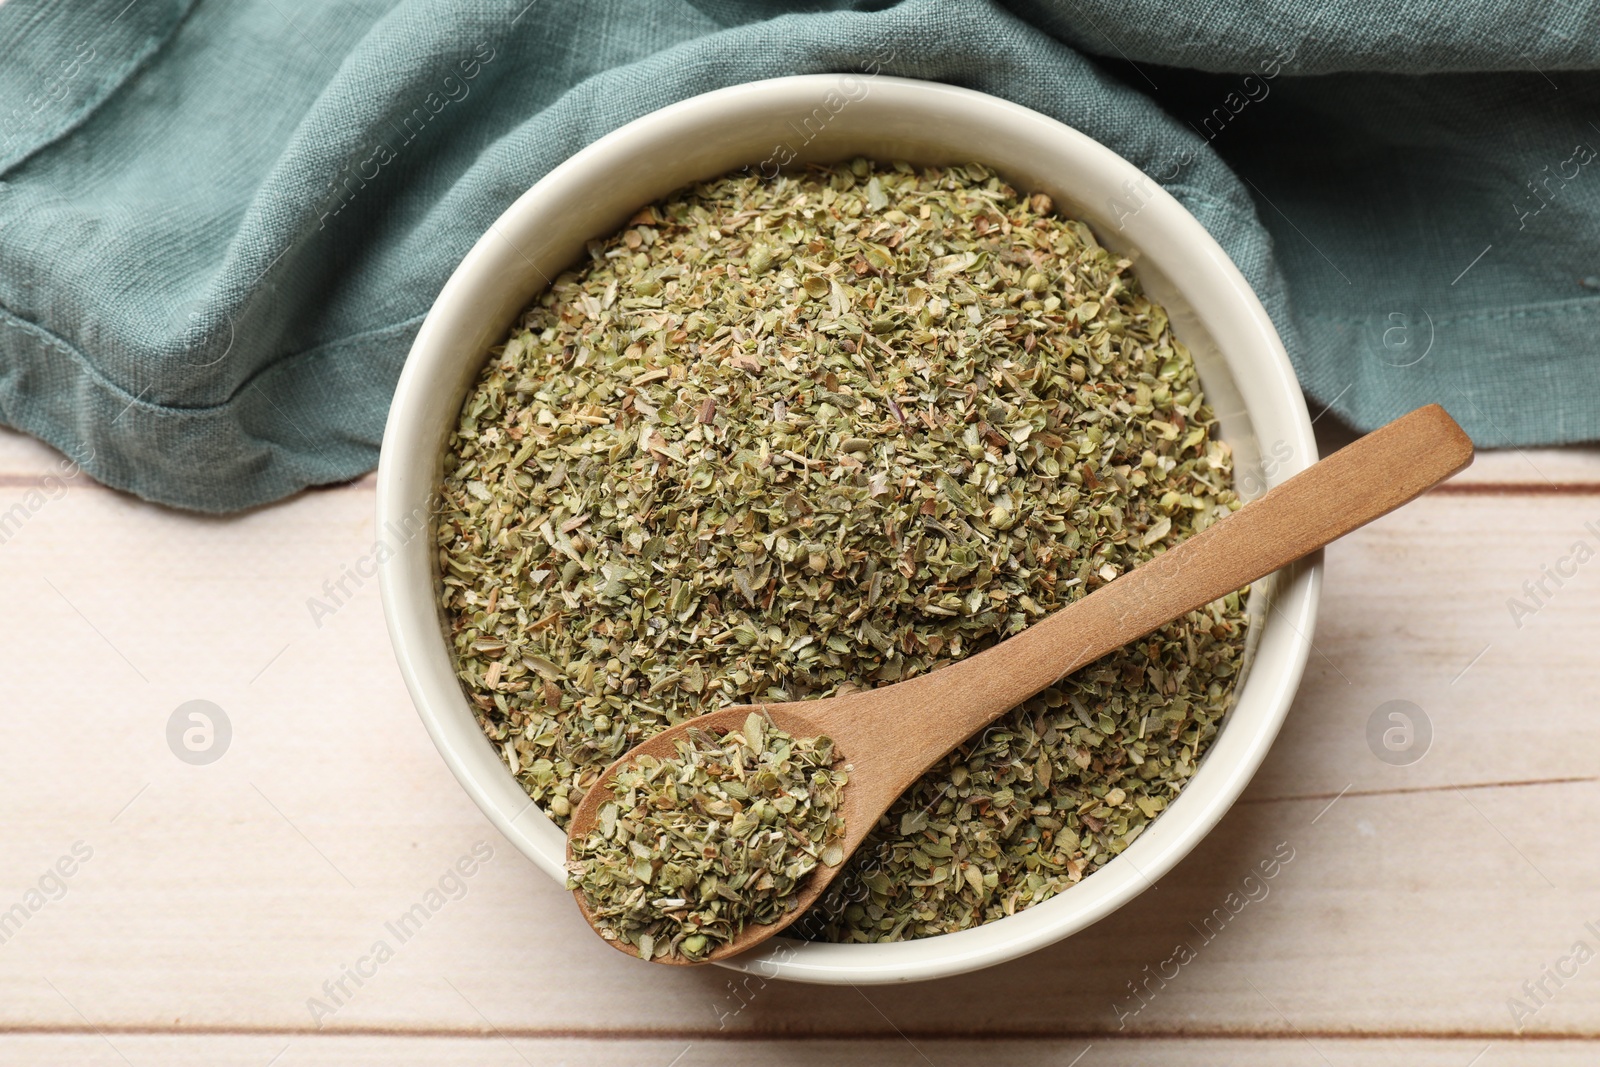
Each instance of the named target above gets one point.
<point>824,118</point>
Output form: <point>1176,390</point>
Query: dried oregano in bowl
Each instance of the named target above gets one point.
<point>780,438</point>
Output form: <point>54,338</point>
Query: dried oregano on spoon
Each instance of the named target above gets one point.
<point>778,438</point>
<point>690,850</point>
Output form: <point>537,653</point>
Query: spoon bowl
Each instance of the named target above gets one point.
<point>798,719</point>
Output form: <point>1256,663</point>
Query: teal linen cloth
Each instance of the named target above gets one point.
<point>222,222</point>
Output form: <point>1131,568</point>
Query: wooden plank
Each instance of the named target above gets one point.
<point>225,896</point>
<point>313,1051</point>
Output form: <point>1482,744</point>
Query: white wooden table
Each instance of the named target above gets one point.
<point>216,900</point>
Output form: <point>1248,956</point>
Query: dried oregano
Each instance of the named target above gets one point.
<point>781,438</point>
<point>689,851</point>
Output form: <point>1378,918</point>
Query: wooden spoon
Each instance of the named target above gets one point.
<point>891,735</point>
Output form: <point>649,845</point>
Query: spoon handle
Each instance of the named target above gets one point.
<point>1359,483</point>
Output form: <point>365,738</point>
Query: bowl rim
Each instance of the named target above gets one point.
<point>411,613</point>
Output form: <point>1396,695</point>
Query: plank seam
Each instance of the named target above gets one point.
<point>1398,791</point>
<point>684,1034</point>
